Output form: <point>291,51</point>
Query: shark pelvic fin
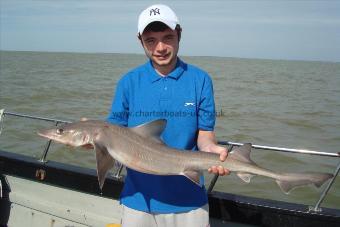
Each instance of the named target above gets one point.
<point>242,153</point>
<point>104,163</point>
<point>151,130</point>
<point>193,175</point>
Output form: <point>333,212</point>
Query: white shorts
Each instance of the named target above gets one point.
<point>194,218</point>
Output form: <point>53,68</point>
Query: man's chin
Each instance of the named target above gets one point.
<point>163,62</point>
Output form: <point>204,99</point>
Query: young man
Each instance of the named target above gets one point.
<point>166,88</point>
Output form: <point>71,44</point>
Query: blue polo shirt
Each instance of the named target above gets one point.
<point>185,99</point>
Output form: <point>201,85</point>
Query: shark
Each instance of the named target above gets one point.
<point>142,149</point>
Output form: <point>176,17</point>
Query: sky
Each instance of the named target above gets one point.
<point>268,29</point>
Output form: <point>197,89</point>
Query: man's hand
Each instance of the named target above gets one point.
<point>206,141</point>
<point>223,155</point>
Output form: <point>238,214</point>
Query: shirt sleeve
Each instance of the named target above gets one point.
<point>119,112</point>
<point>206,110</point>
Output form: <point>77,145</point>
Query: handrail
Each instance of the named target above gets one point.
<point>291,150</point>
<point>316,208</point>
<point>323,194</point>
<point>35,117</point>
<point>48,143</point>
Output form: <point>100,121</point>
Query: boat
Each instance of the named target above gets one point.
<point>40,192</point>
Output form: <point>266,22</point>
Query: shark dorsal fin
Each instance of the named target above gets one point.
<point>242,153</point>
<point>151,130</point>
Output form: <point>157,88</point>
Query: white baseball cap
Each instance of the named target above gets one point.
<point>154,13</point>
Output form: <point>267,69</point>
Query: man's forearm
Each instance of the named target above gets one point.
<point>205,140</point>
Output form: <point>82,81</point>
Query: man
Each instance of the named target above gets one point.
<point>166,87</point>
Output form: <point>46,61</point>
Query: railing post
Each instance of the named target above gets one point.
<point>2,115</point>
<point>117,175</point>
<point>47,147</point>
<point>325,191</point>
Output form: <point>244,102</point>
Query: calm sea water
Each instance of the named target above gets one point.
<point>292,104</point>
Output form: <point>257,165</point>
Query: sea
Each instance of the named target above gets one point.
<point>281,103</point>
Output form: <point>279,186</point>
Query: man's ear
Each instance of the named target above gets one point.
<point>140,39</point>
<point>179,32</point>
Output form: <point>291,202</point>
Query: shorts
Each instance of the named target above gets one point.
<point>194,218</point>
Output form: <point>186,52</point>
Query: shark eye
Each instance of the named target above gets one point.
<point>60,131</point>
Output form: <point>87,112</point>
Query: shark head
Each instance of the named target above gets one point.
<point>73,134</point>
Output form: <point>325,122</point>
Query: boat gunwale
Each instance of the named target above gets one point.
<point>223,206</point>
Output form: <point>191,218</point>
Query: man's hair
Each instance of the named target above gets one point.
<point>158,26</point>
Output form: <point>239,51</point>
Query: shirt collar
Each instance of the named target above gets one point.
<point>174,74</point>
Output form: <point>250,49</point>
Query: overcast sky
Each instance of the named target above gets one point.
<point>271,29</point>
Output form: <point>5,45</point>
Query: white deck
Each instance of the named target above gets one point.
<point>39,205</point>
<point>34,205</point>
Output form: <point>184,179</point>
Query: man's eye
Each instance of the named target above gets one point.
<point>169,37</point>
<point>150,41</point>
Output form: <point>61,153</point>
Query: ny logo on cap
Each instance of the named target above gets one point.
<point>154,11</point>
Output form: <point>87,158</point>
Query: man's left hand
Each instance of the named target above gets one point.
<point>223,156</point>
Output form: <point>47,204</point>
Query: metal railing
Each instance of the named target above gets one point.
<point>3,113</point>
<point>43,157</point>
<point>323,194</point>
<point>230,145</point>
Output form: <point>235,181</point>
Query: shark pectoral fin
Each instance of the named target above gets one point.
<point>193,175</point>
<point>104,163</point>
<point>151,130</point>
<point>246,177</point>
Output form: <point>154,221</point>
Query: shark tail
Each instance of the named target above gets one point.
<point>290,181</point>
<point>286,181</point>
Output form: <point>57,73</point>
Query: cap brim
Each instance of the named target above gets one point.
<point>170,24</point>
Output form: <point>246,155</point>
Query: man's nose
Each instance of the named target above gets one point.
<point>160,46</point>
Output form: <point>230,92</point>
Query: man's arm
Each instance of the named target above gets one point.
<point>206,141</point>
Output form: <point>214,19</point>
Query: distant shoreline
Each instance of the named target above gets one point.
<point>184,56</point>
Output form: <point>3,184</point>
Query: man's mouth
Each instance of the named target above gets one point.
<point>162,57</point>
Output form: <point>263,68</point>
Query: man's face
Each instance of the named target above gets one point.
<point>161,47</point>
